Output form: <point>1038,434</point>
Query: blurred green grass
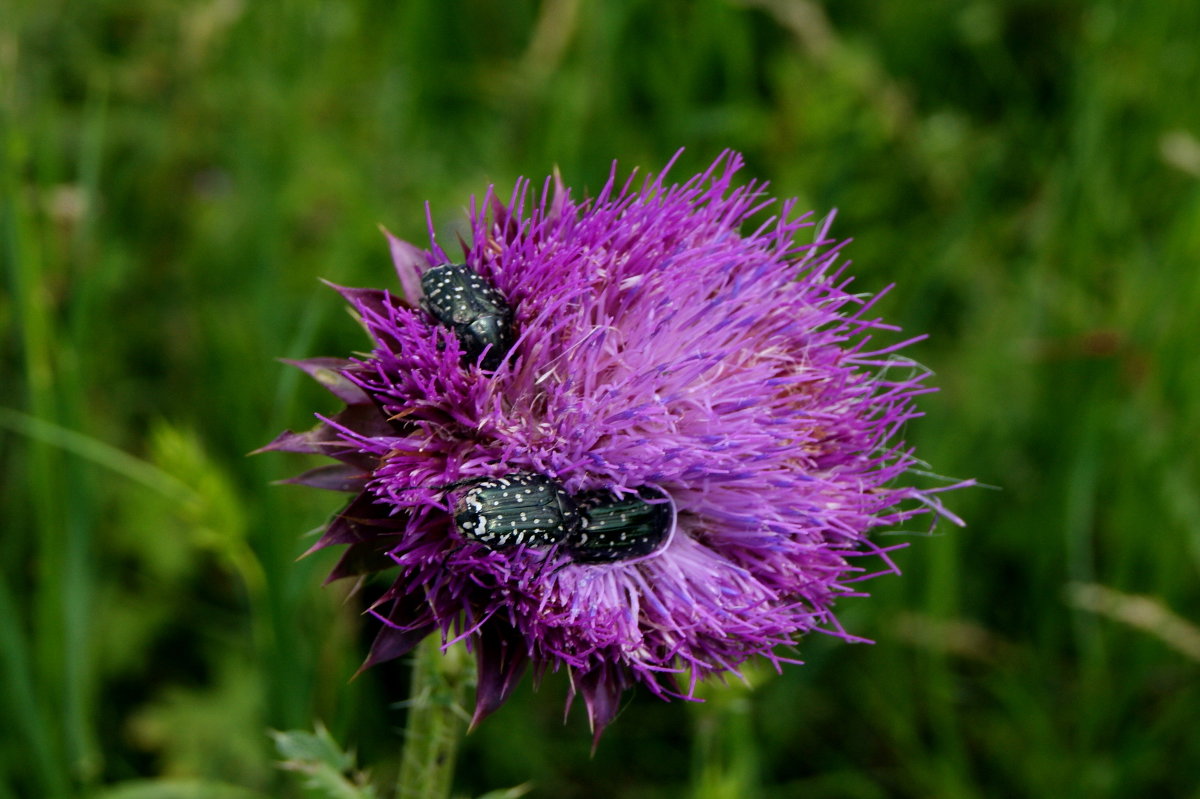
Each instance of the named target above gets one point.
<point>176,176</point>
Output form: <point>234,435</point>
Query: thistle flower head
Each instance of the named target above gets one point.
<point>719,381</point>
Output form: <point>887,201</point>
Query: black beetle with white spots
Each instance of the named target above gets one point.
<point>531,510</point>
<point>619,528</point>
<point>517,510</point>
<point>472,308</point>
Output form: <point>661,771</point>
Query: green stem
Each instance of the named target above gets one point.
<point>436,720</point>
<point>725,760</point>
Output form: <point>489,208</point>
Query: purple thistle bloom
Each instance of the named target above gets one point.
<point>657,349</point>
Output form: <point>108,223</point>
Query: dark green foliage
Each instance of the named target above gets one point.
<point>174,177</point>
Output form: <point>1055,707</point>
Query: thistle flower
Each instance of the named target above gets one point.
<point>655,350</point>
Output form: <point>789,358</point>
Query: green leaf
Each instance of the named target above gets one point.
<point>328,770</point>
<point>311,749</point>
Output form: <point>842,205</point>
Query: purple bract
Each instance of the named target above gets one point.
<point>656,346</point>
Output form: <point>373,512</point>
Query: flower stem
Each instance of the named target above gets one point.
<point>436,720</point>
<point>725,757</point>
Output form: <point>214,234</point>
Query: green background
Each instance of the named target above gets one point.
<point>176,176</point>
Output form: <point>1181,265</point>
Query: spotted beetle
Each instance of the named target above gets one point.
<point>470,306</point>
<point>518,509</point>
<point>615,529</point>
